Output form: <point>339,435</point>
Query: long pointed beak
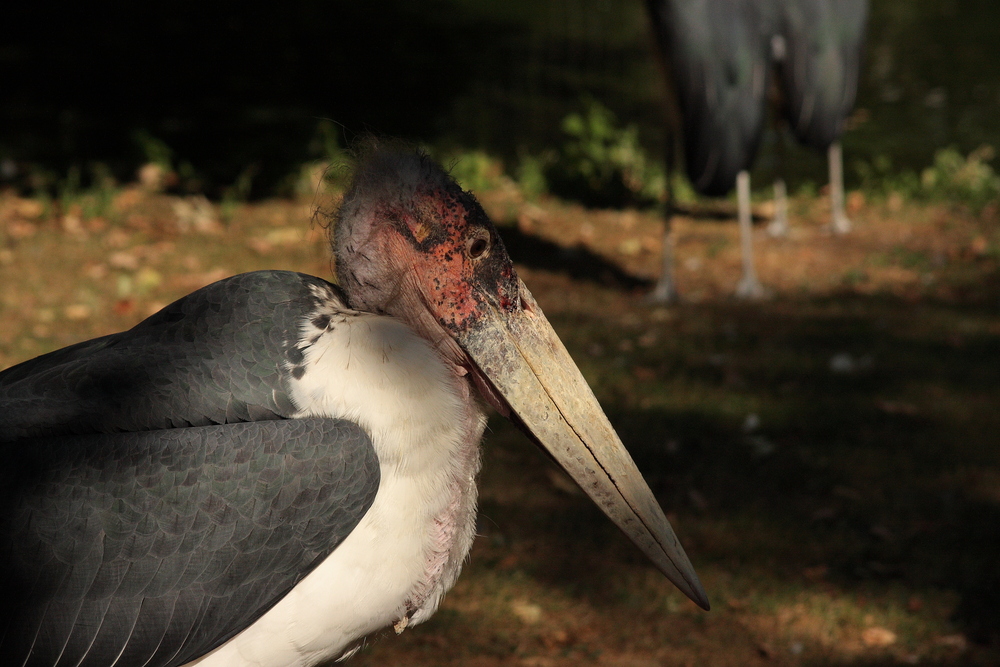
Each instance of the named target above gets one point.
<point>530,368</point>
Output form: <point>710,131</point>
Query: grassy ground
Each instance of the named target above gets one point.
<point>828,456</point>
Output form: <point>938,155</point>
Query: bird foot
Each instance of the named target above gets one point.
<point>663,294</point>
<point>778,228</point>
<point>841,225</point>
<point>750,289</point>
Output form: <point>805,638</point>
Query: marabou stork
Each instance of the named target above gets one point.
<point>718,57</point>
<point>273,467</point>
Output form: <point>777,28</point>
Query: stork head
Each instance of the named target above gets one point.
<point>412,244</point>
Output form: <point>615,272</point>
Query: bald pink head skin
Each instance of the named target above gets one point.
<point>412,244</point>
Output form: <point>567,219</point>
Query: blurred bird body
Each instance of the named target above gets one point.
<point>820,65</point>
<point>720,57</point>
<point>717,56</point>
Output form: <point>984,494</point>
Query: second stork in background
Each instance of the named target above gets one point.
<point>720,58</point>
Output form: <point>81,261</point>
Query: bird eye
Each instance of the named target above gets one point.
<point>478,247</point>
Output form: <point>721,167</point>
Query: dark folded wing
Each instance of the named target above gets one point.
<point>718,55</point>
<point>223,354</point>
<point>153,548</point>
<point>824,41</point>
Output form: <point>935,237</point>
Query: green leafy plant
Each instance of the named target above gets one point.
<point>154,150</point>
<point>879,178</point>
<point>602,163</point>
<point>476,170</point>
<point>330,167</point>
<point>530,173</point>
<point>326,141</point>
<point>969,180</point>
<point>237,193</point>
<point>93,201</point>
<point>98,200</point>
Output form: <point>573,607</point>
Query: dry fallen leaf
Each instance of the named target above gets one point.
<point>77,311</point>
<point>878,637</point>
<point>284,236</point>
<point>897,408</point>
<point>979,246</point>
<point>148,279</point>
<point>958,642</point>
<point>630,247</point>
<point>528,612</point>
<point>124,306</point>
<point>29,208</point>
<point>124,260</point>
<point>196,214</point>
<point>19,230</point>
<point>537,661</point>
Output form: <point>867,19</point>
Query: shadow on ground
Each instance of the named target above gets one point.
<point>577,262</point>
<point>873,465</point>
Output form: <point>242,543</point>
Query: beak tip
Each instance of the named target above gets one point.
<point>700,598</point>
<point>531,371</point>
<point>690,585</point>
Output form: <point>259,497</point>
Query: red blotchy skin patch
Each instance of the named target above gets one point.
<point>452,284</point>
<point>508,302</point>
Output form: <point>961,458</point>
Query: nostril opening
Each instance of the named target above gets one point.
<point>524,304</point>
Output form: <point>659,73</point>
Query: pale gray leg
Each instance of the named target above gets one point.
<point>779,225</point>
<point>749,287</point>
<point>665,290</point>
<point>840,224</point>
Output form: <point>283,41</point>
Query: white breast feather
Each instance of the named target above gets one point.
<point>409,548</point>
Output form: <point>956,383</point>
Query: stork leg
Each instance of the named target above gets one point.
<point>778,228</point>
<point>779,225</point>
<point>665,290</point>
<point>749,287</point>
<point>840,223</point>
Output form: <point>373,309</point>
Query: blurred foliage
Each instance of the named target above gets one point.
<point>969,180</point>
<point>154,150</point>
<point>160,170</point>
<point>329,168</point>
<point>602,164</point>
<point>186,92</point>
<point>952,178</point>
<point>77,197</point>
<point>476,170</point>
<point>931,79</point>
<point>880,178</point>
<point>237,193</point>
<point>97,201</point>
<point>530,174</point>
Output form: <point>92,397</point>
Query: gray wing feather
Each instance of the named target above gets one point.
<point>154,499</point>
<point>219,355</point>
<point>824,40</point>
<point>717,53</point>
<point>153,548</point>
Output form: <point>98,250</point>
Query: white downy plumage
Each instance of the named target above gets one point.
<point>426,427</point>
